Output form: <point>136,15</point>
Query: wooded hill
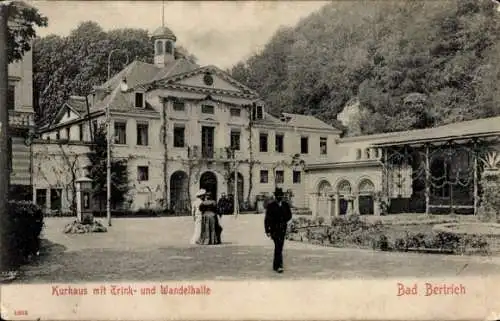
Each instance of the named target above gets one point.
<point>406,64</point>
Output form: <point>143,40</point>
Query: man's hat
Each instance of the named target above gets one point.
<point>278,192</point>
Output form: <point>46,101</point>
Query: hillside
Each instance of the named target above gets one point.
<point>406,64</point>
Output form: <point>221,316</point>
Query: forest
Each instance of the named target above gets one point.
<point>401,65</point>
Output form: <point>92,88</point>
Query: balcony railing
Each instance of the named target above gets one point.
<point>211,153</point>
<point>21,119</point>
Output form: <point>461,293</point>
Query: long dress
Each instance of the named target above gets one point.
<point>210,229</point>
<point>197,221</point>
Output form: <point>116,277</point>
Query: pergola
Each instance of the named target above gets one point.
<point>442,164</point>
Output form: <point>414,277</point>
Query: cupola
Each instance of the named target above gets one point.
<point>164,45</point>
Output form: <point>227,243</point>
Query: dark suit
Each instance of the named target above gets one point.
<point>275,224</point>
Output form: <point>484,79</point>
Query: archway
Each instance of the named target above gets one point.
<point>179,186</point>
<point>324,191</point>
<point>365,198</point>
<point>240,186</point>
<point>208,181</point>
<point>344,191</point>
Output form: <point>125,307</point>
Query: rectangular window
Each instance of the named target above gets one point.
<point>280,177</point>
<point>179,106</point>
<point>80,132</point>
<point>142,134</point>
<point>323,150</point>
<point>68,113</point>
<point>58,135</point>
<point>304,145</point>
<point>11,97</point>
<point>68,133</point>
<point>55,199</point>
<point>297,177</point>
<point>235,112</point>
<point>142,173</point>
<point>279,142</point>
<point>41,198</point>
<point>235,139</point>
<point>263,142</point>
<point>179,140</point>
<point>139,100</point>
<point>260,112</point>
<point>207,109</point>
<point>264,176</point>
<point>120,133</point>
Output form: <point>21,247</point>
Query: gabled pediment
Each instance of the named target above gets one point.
<point>65,114</point>
<point>208,78</point>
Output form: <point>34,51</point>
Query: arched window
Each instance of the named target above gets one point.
<point>159,47</point>
<point>168,47</point>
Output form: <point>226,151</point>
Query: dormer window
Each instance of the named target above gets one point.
<point>68,113</point>
<point>139,100</point>
<point>257,112</point>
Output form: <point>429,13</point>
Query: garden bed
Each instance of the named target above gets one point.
<point>353,232</point>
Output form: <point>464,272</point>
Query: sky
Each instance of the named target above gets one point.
<point>217,33</point>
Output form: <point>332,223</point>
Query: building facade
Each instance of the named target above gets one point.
<point>180,127</point>
<point>21,125</point>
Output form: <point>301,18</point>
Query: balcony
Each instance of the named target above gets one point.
<point>209,153</point>
<point>21,119</point>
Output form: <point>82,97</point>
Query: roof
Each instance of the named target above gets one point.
<point>164,32</point>
<point>180,66</point>
<point>77,103</point>
<point>307,121</point>
<point>465,129</point>
<point>136,73</point>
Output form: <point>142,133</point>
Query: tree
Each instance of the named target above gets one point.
<point>98,170</point>
<point>22,20</point>
<point>381,54</point>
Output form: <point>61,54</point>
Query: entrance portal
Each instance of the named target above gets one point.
<point>179,200</point>
<point>208,181</point>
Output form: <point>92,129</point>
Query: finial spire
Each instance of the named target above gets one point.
<point>163,13</point>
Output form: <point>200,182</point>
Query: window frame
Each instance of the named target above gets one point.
<point>178,127</point>
<point>233,133</point>
<point>325,141</point>
<point>137,127</point>
<point>282,176</point>
<point>142,96</point>
<point>204,111</point>
<point>282,136</point>
<point>261,149</point>
<point>141,173</point>
<point>296,179</point>
<point>266,176</point>
<point>118,124</point>
<point>306,140</point>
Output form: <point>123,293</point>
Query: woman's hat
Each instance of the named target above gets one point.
<point>201,192</point>
<point>278,192</point>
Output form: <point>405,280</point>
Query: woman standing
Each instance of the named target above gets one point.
<point>197,216</point>
<point>210,229</point>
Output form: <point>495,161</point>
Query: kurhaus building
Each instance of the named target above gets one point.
<point>182,127</point>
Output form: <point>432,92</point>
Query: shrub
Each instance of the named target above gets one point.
<point>25,224</point>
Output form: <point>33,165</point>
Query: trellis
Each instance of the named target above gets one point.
<point>451,167</point>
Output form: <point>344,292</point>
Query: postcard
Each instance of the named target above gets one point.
<point>250,160</point>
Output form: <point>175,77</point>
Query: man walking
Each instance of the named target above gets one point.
<point>278,214</point>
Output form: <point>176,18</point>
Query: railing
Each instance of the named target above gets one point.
<point>206,152</point>
<point>21,119</point>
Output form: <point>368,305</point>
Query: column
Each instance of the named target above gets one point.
<point>376,206</point>
<point>336,202</point>
<point>355,210</point>
<point>330,206</point>
<point>314,204</point>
